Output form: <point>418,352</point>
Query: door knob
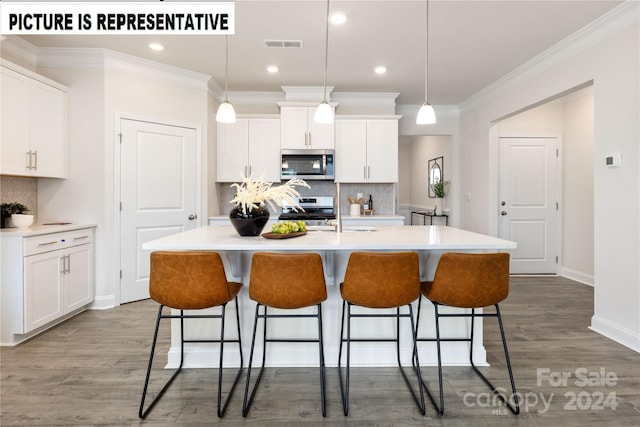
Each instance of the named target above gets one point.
<point>503,213</point>
<point>192,217</point>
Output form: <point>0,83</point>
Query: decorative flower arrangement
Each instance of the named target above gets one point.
<point>251,194</point>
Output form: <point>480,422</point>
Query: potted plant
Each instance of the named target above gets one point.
<point>18,214</point>
<point>439,189</point>
<point>250,215</point>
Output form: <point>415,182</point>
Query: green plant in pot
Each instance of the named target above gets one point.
<point>439,189</point>
<point>17,211</point>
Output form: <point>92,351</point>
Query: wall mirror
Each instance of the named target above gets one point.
<point>436,174</point>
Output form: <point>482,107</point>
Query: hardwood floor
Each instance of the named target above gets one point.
<point>90,369</point>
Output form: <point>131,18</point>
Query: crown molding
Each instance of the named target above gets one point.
<point>256,98</point>
<point>20,49</point>
<point>306,93</point>
<point>372,99</point>
<point>105,58</point>
<point>441,110</point>
<point>100,58</point>
<point>616,20</point>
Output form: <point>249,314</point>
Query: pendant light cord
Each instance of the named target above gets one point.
<point>226,67</point>
<point>426,52</point>
<point>326,54</point>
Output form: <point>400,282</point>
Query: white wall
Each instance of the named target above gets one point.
<point>578,189</point>
<point>611,59</point>
<point>423,149</point>
<point>97,97</point>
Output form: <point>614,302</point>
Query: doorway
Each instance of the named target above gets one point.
<point>158,194</point>
<point>570,114</point>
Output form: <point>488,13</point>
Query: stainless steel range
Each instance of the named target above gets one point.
<point>316,210</point>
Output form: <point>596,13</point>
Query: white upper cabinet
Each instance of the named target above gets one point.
<point>249,147</point>
<point>300,131</point>
<point>33,116</point>
<point>366,150</point>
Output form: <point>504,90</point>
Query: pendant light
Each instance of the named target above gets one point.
<point>226,113</point>
<point>324,112</point>
<point>426,114</point>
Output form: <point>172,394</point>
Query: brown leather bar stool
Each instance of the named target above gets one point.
<point>380,281</point>
<point>469,281</point>
<point>191,280</point>
<point>285,281</point>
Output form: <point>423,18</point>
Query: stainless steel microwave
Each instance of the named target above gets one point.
<point>307,164</point>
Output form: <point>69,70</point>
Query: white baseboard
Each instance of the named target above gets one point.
<point>578,276</point>
<point>103,303</point>
<point>621,335</point>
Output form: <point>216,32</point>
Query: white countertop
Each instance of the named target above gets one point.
<point>39,229</point>
<point>434,237</point>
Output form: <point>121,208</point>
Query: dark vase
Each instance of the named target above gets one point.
<point>250,223</point>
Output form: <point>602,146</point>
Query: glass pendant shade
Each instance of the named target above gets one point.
<point>324,113</point>
<point>426,115</point>
<point>226,113</point>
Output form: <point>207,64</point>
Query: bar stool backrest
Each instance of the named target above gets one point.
<point>382,279</point>
<point>188,280</point>
<point>287,280</point>
<point>470,280</point>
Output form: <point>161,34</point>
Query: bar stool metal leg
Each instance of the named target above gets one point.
<point>344,388</point>
<point>249,395</point>
<point>221,408</point>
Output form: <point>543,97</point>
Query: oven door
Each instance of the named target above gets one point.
<point>307,164</point>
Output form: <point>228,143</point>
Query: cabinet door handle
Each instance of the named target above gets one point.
<point>65,264</point>
<point>249,170</point>
<point>28,159</point>
<point>309,139</point>
<point>364,171</point>
<point>35,164</point>
<point>80,237</point>
<point>368,172</point>
<point>47,243</point>
<point>306,139</point>
<point>68,263</point>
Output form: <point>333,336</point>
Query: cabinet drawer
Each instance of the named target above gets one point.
<point>54,241</point>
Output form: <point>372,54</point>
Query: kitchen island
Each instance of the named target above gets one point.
<point>428,241</point>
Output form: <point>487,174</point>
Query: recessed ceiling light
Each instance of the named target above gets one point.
<point>272,68</point>
<point>380,69</point>
<point>156,46</point>
<point>338,18</point>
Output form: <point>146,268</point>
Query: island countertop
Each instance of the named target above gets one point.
<point>429,241</point>
<point>429,237</point>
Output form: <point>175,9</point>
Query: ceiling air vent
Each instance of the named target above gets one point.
<point>283,43</point>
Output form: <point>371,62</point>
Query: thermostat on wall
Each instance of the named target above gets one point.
<point>612,160</point>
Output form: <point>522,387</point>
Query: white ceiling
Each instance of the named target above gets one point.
<point>471,44</point>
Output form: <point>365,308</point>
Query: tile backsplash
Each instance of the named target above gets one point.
<point>383,195</point>
<point>14,189</point>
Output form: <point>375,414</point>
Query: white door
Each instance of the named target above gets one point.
<point>158,194</point>
<point>528,203</point>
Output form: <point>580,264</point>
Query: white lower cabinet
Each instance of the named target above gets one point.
<point>44,278</point>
